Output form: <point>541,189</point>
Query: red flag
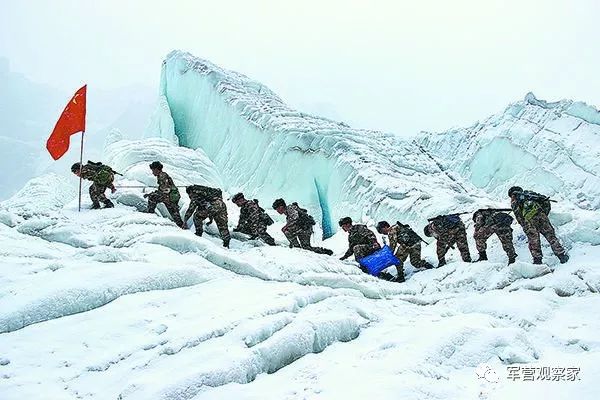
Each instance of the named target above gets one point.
<point>71,121</point>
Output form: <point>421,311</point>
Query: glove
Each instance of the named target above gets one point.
<point>235,230</point>
<point>146,195</point>
<point>112,190</point>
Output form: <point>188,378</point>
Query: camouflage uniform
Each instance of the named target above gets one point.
<point>163,195</point>
<point>298,233</point>
<point>532,228</point>
<point>252,223</point>
<point>361,242</point>
<point>406,243</point>
<point>448,237</point>
<point>206,205</point>
<point>98,186</point>
<point>485,226</point>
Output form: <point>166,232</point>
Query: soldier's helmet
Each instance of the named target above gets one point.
<point>156,165</point>
<point>514,190</point>
<point>344,221</point>
<point>75,167</point>
<point>278,203</point>
<point>237,197</point>
<point>427,231</point>
<point>381,225</point>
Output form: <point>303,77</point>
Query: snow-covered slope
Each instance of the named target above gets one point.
<point>262,146</point>
<point>117,304</point>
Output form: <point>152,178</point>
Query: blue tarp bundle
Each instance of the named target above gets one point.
<point>378,261</point>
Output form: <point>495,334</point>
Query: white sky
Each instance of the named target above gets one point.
<point>400,66</point>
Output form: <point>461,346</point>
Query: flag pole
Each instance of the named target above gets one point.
<point>80,169</point>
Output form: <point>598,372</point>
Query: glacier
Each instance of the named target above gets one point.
<point>265,148</point>
<point>118,304</point>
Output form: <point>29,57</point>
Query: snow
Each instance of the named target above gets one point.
<point>118,304</point>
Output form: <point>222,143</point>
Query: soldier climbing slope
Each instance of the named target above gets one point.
<point>167,193</point>
<point>361,241</point>
<point>404,243</point>
<point>448,230</point>
<point>298,227</point>
<point>207,202</point>
<point>102,177</point>
<point>490,221</point>
<point>531,210</point>
<point>253,219</point>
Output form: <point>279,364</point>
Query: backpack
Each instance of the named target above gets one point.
<point>174,195</point>
<point>264,217</point>
<point>406,234</point>
<point>502,219</point>
<point>532,203</point>
<point>304,219</point>
<point>446,222</point>
<point>103,173</point>
<point>207,192</point>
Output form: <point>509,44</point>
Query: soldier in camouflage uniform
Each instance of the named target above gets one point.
<point>531,210</point>
<point>207,202</point>
<point>167,193</point>
<point>487,223</point>
<point>404,243</point>
<point>253,219</point>
<point>361,241</point>
<point>299,226</point>
<point>102,177</point>
<point>448,231</point>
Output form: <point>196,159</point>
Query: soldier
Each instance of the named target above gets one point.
<point>448,230</point>
<point>489,222</point>
<point>298,227</point>
<point>531,210</point>
<point>405,243</point>
<point>208,202</point>
<point>167,193</point>
<point>102,177</point>
<point>253,219</point>
<point>361,241</point>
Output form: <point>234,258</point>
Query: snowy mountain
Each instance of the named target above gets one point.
<point>118,304</point>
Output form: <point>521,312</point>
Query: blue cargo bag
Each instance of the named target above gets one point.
<point>378,261</point>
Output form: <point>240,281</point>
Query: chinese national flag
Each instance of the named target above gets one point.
<point>71,121</point>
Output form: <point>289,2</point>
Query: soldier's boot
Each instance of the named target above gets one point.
<point>108,204</point>
<point>226,243</point>
<point>441,262</point>
<point>400,270</point>
<point>482,256</point>
<point>537,260</point>
<point>322,250</point>
<point>386,276</point>
<point>512,259</point>
<point>563,258</point>
<point>95,205</point>
<point>269,240</point>
<point>426,265</point>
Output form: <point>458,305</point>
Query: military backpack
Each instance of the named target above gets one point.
<point>104,174</point>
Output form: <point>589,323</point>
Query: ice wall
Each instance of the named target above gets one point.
<point>549,147</point>
<point>267,149</point>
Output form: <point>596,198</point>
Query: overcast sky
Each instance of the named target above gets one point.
<point>400,66</point>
